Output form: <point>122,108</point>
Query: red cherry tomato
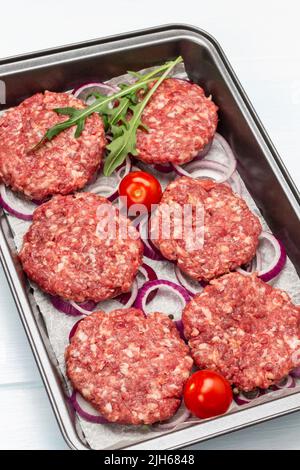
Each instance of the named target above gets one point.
<point>140,188</point>
<point>207,393</point>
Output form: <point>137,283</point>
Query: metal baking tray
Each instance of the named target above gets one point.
<point>259,165</point>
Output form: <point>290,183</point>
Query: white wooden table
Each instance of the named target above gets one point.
<point>261,40</point>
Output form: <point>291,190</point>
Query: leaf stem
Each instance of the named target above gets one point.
<point>113,159</point>
<point>77,117</point>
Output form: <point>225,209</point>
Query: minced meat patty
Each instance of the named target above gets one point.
<point>244,329</point>
<point>131,368</point>
<point>230,231</point>
<point>60,166</point>
<point>70,251</point>
<point>181,121</point>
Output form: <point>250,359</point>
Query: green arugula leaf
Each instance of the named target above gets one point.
<point>135,74</point>
<point>79,128</point>
<point>115,118</point>
<point>124,139</point>
<point>119,112</point>
<point>66,111</point>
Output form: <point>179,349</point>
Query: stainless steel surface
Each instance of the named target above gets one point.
<point>259,164</point>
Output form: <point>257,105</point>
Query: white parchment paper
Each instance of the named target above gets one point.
<point>58,325</point>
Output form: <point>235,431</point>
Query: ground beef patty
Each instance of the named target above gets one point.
<point>58,167</point>
<point>181,122</point>
<point>245,329</point>
<point>131,368</point>
<point>230,235</point>
<point>67,253</point>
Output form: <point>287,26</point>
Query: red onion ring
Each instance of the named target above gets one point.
<point>275,266</point>
<point>246,397</point>
<point>85,308</point>
<point>71,308</point>
<point>39,202</point>
<point>102,189</point>
<point>74,309</point>
<point>169,168</point>
<point>180,417</point>
<point>185,282</point>
<point>150,251</point>
<point>164,167</point>
<point>150,286</point>
<point>111,193</point>
<point>278,262</point>
<point>126,166</point>
<point>296,373</point>
<point>73,329</point>
<point>85,410</point>
<point>198,168</point>
<point>8,206</point>
<point>286,382</point>
<point>128,298</point>
<point>255,265</point>
<point>235,183</point>
<point>84,91</point>
<point>204,151</point>
<point>201,169</point>
<point>229,153</point>
<point>149,274</point>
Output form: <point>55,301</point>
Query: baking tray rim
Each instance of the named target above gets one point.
<point>223,424</point>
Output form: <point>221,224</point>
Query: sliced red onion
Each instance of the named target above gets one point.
<point>229,153</point>
<point>148,273</point>
<point>258,261</point>
<point>193,287</point>
<point>279,260</point>
<point>204,152</point>
<point>39,202</point>
<point>83,92</point>
<point>296,373</point>
<point>73,330</point>
<point>85,410</point>
<point>123,169</point>
<point>111,192</point>
<point>246,397</point>
<point>286,382</point>
<point>235,183</point>
<point>207,168</point>
<point>150,251</point>
<point>164,167</point>
<point>104,190</point>
<point>274,267</point>
<point>66,307</point>
<point>150,286</point>
<point>180,417</point>
<point>128,298</point>
<point>180,328</point>
<point>14,207</point>
<point>75,309</point>
<point>85,308</point>
<point>254,266</point>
